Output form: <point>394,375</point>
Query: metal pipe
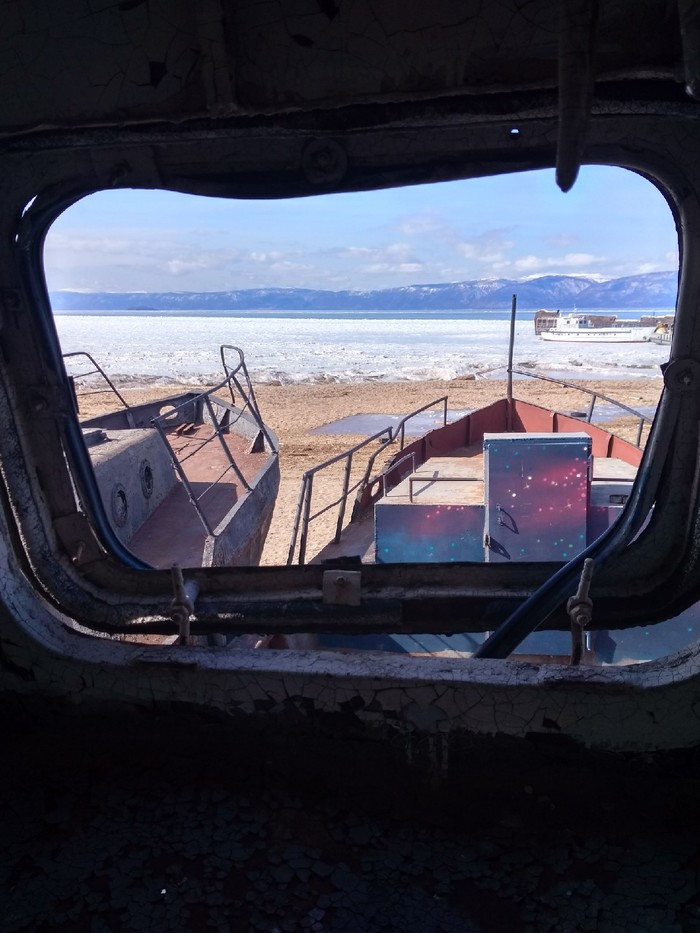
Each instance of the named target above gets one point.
<point>185,593</point>
<point>305,519</point>
<point>297,521</point>
<point>343,499</point>
<point>217,433</point>
<point>511,344</point>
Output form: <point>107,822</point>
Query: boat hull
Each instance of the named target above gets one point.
<point>157,520</point>
<point>601,335</point>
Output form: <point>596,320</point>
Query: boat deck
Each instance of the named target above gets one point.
<point>457,479</point>
<point>174,532</point>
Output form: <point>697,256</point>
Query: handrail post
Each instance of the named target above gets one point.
<point>305,519</point>
<point>343,498</point>
<point>183,477</point>
<point>304,516</point>
<point>594,399</point>
<point>511,343</point>
<point>217,433</point>
<point>297,520</point>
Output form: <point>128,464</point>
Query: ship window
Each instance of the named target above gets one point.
<point>322,379</point>
<point>352,311</point>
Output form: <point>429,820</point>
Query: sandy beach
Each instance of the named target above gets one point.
<point>295,411</point>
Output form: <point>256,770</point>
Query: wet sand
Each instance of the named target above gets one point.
<point>293,412</point>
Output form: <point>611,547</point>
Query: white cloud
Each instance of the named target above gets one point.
<point>491,246</point>
<point>561,240</point>
<point>561,264</point>
<point>185,266</point>
<point>376,268</point>
<point>424,222</point>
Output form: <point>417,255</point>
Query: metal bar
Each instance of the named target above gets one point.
<point>183,477</point>
<point>343,499</point>
<point>366,479</point>
<point>578,21</point>
<point>586,391</point>
<point>305,519</point>
<point>251,401</point>
<point>98,369</point>
<point>411,456</point>
<point>302,521</point>
<point>579,608</point>
<point>591,406</point>
<point>252,405</point>
<point>511,344</point>
<point>224,445</point>
<point>297,521</point>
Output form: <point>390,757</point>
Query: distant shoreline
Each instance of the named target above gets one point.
<point>644,293</point>
<point>396,313</point>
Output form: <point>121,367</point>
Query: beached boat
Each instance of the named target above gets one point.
<point>583,328</point>
<point>400,510</point>
<point>512,482</point>
<point>190,479</point>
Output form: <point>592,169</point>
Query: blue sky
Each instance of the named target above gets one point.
<point>613,223</point>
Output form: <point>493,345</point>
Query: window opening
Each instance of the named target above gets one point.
<point>291,332</point>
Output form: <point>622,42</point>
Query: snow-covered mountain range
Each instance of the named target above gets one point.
<point>650,292</point>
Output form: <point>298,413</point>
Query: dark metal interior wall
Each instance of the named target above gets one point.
<point>193,162</point>
<point>187,126</point>
<point>183,59</point>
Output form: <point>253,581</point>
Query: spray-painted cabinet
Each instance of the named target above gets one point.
<point>537,489</point>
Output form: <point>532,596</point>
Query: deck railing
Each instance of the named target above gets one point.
<point>95,371</point>
<point>244,387</point>
<point>594,396</point>
<point>221,416</point>
<point>220,426</point>
<point>389,435</point>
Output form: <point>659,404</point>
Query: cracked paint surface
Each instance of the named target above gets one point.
<point>126,831</point>
<point>640,707</point>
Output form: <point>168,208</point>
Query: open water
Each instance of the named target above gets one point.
<point>335,346</point>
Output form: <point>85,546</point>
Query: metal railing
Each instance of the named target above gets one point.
<point>387,436</point>
<point>594,396</point>
<point>95,371</point>
<point>220,415</point>
<point>221,425</point>
<point>304,516</point>
<point>245,389</point>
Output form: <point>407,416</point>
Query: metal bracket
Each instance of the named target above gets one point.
<point>682,375</point>
<point>342,587</point>
<point>77,538</point>
<point>580,610</point>
<point>324,162</point>
<point>184,595</point>
<point>46,402</point>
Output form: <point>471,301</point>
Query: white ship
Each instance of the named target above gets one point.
<point>581,328</point>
